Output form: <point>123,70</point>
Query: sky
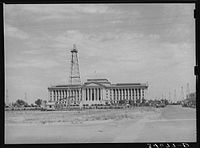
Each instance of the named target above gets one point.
<point>124,43</point>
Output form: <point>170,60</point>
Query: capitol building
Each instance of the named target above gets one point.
<point>98,91</point>
<point>94,91</point>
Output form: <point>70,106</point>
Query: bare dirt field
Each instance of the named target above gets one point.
<point>140,124</point>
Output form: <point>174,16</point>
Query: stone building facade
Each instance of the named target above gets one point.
<point>97,91</point>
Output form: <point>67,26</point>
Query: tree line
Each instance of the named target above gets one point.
<point>22,103</point>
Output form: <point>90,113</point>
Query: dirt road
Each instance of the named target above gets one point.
<point>175,124</point>
<point>169,124</point>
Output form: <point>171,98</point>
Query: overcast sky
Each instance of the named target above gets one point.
<point>122,42</point>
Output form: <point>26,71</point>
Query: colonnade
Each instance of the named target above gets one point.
<point>58,94</point>
<point>118,94</point>
<point>93,94</point>
<point>96,94</point>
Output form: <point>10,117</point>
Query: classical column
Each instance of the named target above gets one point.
<point>127,94</point>
<point>83,94</point>
<point>54,95</point>
<point>115,92</point>
<point>67,93</point>
<point>118,96</point>
<point>70,95</point>
<point>62,93</point>
<point>58,95</point>
<point>92,94</point>
<point>95,94</point>
<point>111,96</point>
<point>131,94</point>
<point>141,95</point>
<point>124,94</point>
<point>78,94</point>
<point>121,96</point>
<point>138,95</point>
<point>50,95</point>
<point>88,94</point>
<point>101,94</point>
<point>123,91</point>
<point>75,95</point>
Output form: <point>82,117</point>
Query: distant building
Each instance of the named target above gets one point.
<point>97,91</point>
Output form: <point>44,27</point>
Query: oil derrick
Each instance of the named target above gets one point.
<point>182,94</point>
<point>74,71</point>
<point>25,97</point>
<point>169,96</point>
<point>175,95</point>
<point>187,91</point>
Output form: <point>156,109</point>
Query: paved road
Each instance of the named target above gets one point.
<point>175,124</point>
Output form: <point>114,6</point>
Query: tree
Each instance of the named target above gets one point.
<point>38,102</point>
<point>20,103</point>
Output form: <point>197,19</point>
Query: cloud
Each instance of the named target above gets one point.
<point>34,63</point>
<point>67,8</point>
<point>123,46</point>
<point>11,31</point>
<point>58,11</point>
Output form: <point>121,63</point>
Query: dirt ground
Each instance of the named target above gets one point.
<point>141,124</point>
